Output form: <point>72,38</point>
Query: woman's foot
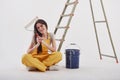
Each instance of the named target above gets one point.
<point>53,68</point>
<point>32,69</point>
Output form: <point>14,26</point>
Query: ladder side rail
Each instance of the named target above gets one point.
<point>65,7</point>
<point>72,12</point>
<point>109,31</point>
<point>93,18</point>
<point>63,39</point>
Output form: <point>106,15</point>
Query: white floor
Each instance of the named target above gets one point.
<point>90,68</point>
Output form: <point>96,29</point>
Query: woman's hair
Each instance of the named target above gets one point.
<point>36,32</point>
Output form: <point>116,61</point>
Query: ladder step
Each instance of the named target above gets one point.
<point>108,56</point>
<point>75,2</point>
<point>99,21</point>
<point>59,40</point>
<point>63,27</point>
<point>65,15</point>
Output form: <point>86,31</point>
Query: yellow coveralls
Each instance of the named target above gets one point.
<point>41,60</point>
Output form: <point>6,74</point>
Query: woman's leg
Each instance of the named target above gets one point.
<point>53,58</point>
<point>29,61</point>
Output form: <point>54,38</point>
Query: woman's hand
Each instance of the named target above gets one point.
<point>39,39</point>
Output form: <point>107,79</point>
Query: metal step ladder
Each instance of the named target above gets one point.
<point>67,25</point>
<point>108,30</point>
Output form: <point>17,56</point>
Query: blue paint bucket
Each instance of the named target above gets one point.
<point>72,58</point>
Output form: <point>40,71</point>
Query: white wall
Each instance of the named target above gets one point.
<point>15,14</point>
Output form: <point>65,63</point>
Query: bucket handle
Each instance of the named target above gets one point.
<point>75,45</point>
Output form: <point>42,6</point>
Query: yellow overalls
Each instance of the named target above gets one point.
<point>42,60</point>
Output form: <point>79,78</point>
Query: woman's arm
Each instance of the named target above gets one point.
<point>51,48</point>
<point>32,46</point>
<point>53,42</point>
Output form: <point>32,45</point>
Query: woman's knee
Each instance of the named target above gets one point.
<point>24,57</point>
<point>58,55</point>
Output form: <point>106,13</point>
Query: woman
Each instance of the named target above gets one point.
<point>38,56</point>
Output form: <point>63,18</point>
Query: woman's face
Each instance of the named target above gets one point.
<point>41,28</point>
